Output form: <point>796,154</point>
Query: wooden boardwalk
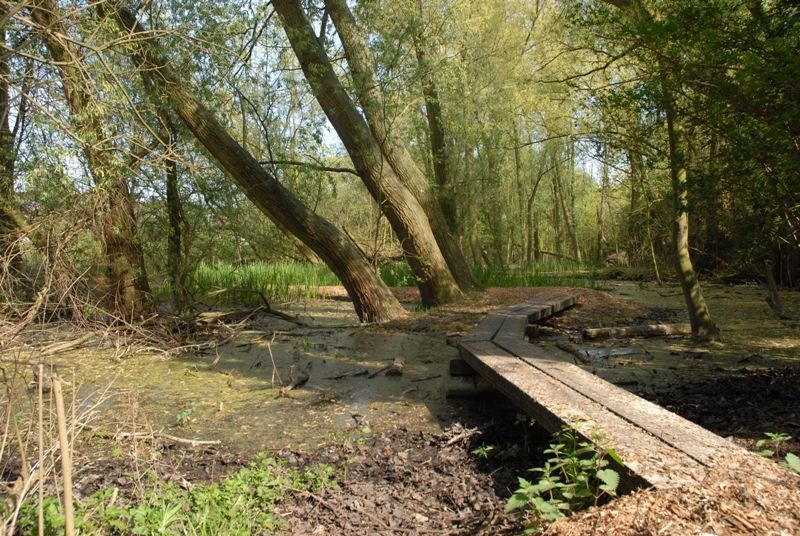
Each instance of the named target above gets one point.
<point>657,447</point>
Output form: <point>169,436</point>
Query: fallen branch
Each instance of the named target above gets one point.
<point>351,374</point>
<point>652,330</point>
<point>62,346</point>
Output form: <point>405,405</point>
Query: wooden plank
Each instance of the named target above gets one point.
<point>539,308</point>
<point>649,461</point>
<point>697,442</point>
<point>513,326</point>
<point>486,329</point>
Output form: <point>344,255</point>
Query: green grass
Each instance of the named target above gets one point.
<point>284,280</point>
<point>287,281</point>
<point>561,274</point>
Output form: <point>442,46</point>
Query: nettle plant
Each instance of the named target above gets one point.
<point>775,443</point>
<point>574,478</point>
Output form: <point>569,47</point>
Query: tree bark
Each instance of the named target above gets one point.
<point>567,216</point>
<point>129,291</point>
<point>402,209</point>
<point>372,299</point>
<point>8,253</point>
<point>175,259</point>
<point>702,326</point>
<point>370,96</point>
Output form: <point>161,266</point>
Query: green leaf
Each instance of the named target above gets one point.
<point>517,500</point>
<point>610,479</point>
<point>614,456</point>
<point>793,462</point>
<point>766,453</point>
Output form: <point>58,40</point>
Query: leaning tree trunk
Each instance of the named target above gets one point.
<point>361,65</point>
<point>372,299</point>
<point>402,209</point>
<point>129,291</point>
<point>702,326</point>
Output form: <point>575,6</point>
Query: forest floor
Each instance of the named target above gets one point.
<point>417,462</point>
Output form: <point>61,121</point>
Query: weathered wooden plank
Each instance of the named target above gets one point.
<point>513,326</point>
<point>539,308</point>
<point>649,460</point>
<point>703,446</point>
<point>486,329</point>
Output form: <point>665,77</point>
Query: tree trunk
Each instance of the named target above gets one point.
<point>567,216</point>
<point>128,288</point>
<point>370,96</point>
<point>601,211</point>
<point>8,253</point>
<point>472,209</point>
<point>175,261</point>
<point>702,326</point>
<point>372,299</point>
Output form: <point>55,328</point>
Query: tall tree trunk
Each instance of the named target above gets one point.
<point>175,261</point>
<point>370,96</point>
<point>129,291</point>
<point>472,208</point>
<point>601,210</point>
<point>372,299</point>
<point>8,254</point>
<point>702,326</point>
<point>433,113</point>
<point>567,216</point>
<point>402,209</point>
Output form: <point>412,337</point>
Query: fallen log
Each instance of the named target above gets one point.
<point>646,330</point>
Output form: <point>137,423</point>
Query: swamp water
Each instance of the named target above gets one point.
<point>238,400</point>
<point>752,337</point>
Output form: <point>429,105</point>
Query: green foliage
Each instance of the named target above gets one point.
<point>283,280</point>
<point>240,504</point>
<point>574,478</point>
<point>183,417</point>
<point>773,441</point>
<point>484,450</point>
<point>792,462</point>
<point>562,274</point>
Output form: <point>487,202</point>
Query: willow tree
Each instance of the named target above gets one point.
<point>369,95</point>
<point>372,299</point>
<point>402,208</point>
<point>128,288</point>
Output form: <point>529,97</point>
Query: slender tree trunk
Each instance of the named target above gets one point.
<point>567,216</point>
<point>370,96</point>
<point>372,300</point>
<point>129,291</point>
<point>702,326</point>
<point>8,157</point>
<point>601,210</point>
<point>472,208</point>
<point>433,113</point>
<point>175,261</point>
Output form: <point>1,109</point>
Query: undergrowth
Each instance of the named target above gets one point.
<point>240,504</point>
<point>574,478</point>
<point>295,280</point>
